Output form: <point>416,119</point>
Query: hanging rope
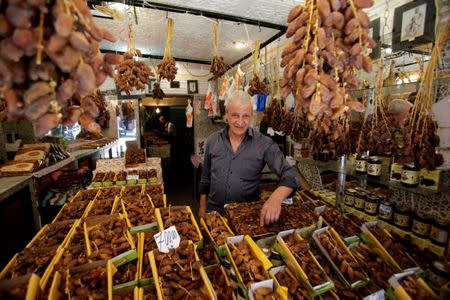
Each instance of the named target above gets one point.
<point>256,57</point>
<point>215,31</point>
<point>167,53</point>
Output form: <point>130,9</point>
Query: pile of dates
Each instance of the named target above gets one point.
<point>341,224</point>
<point>216,226</point>
<point>139,210</point>
<point>295,290</point>
<point>158,93</point>
<point>244,218</point>
<point>218,280</point>
<point>131,191</point>
<point>98,177</point>
<point>265,293</point>
<point>135,156</point>
<point>108,239</point>
<point>153,189</point>
<point>347,265</point>
<point>414,289</point>
<point>121,176</point>
<point>108,193</point>
<point>34,260</point>
<point>109,176</point>
<point>125,273</point>
<point>394,248</point>
<point>72,210</point>
<point>374,265</point>
<point>91,283</point>
<point>72,257</point>
<point>101,207</point>
<point>181,218</point>
<point>328,47</point>
<point>132,73</point>
<point>55,234</point>
<point>300,250</point>
<point>85,196</point>
<point>49,60</point>
<point>250,268</point>
<point>179,273</point>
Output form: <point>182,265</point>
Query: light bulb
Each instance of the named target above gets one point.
<point>158,110</point>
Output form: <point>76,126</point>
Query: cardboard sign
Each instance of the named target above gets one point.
<point>167,239</point>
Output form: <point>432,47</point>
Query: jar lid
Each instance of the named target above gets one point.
<point>361,157</point>
<point>350,191</point>
<point>410,167</point>
<point>373,197</point>
<point>374,159</point>
<point>402,210</point>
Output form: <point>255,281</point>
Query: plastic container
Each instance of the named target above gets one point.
<point>360,200</point>
<point>374,166</point>
<point>371,204</point>
<point>402,218</point>
<point>410,176</point>
<point>439,233</point>
<point>349,198</point>
<point>386,211</point>
<point>421,226</point>
<point>361,165</point>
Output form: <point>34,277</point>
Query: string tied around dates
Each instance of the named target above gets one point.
<point>167,68</point>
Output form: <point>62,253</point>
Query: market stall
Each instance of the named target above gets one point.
<point>318,131</point>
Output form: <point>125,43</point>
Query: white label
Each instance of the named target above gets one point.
<point>288,201</point>
<point>167,239</point>
<point>133,177</point>
<point>376,296</point>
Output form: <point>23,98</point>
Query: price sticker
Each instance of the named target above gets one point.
<point>288,201</point>
<point>167,239</point>
<point>133,177</point>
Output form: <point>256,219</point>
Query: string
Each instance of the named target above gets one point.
<point>167,53</point>
<point>256,57</point>
<point>215,30</point>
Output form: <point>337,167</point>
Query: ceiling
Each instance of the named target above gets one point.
<point>243,21</point>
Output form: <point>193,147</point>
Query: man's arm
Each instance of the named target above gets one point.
<point>205,181</point>
<point>289,181</point>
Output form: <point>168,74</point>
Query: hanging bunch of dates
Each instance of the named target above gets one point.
<point>353,134</point>
<point>420,139</point>
<point>158,93</point>
<point>329,45</point>
<point>256,86</point>
<point>300,126</point>
<point>132,73</point>
<point>275,113</point>
<point>49,53</point>
<point>167,68</point>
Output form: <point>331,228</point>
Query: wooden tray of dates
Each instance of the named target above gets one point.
<point>184,221</point>
<point>248,261</point>
<point>267,289</point>
<point>244,219</point>
<point>295,252</point>
<point>25,287</point>
<point>409,286</point>
<point>108,193</point>
<point>103,207</point>
<point>146,243</point>
<point>284,277</point>
<point>179,274</point>
<point>84,195</point>
<point>135,156</point>
<point>217,229</point>
<point>138,211</point>
<point>343,225</point>
<point>340,257</point>
<point>73,210</point>
<point>107,236</point>
<point>220,282</point>
<point>89,281</point>
<point>388,248</point>
<point>55,234</point>
<point>131,190</point>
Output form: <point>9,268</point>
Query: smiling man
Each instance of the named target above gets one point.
<point>234,159</point>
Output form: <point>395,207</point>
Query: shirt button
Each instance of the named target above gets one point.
<point>231,172</point>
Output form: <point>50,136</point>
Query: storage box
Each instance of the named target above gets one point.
<point>430,179</point>
<point>402,294</point>
<point>220,249</point>
<point>289,258</point>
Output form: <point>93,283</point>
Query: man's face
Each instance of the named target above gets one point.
<point>239,118</point>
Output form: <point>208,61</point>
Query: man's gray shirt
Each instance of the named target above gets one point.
<point>229,177</point>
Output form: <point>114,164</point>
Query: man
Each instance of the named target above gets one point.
<point>169,128</point>
<point>234,159</point>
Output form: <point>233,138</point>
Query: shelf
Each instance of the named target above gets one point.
<point>10,185</point>
<point>348,170</point>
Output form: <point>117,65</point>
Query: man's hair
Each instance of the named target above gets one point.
<point>241,98</point>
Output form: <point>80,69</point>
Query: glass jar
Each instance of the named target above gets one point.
<point>349,198</point>
<point>360,199</point>
<point>410,176</point>
<point>386,211</point>
<point>402,218</point>
<point>439,274</point>
<point>374,166</point>
<point>361,164</point>
<point>421,226</point>
<point>439,233</point>
<point>371,204</point>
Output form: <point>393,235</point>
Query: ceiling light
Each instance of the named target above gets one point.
<point>239,45</point>
<point>388,50</point>
<point>119,6</point>
<point>158,110</point>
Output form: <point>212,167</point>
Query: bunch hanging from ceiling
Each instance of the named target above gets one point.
<point>256,86</point>
<point>329,45</point>
<point>218,65</point>
<point>167,68</point>
<point>377,133</point>
<point>420,139</point>
<point>49,53</point>
<point>132,73</point>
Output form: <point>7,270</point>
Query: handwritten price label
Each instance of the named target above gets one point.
<point>132,177</point>
<point>167,239</point>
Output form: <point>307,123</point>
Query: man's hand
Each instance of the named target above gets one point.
<point>270,212</point>
<point>202,207</point>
